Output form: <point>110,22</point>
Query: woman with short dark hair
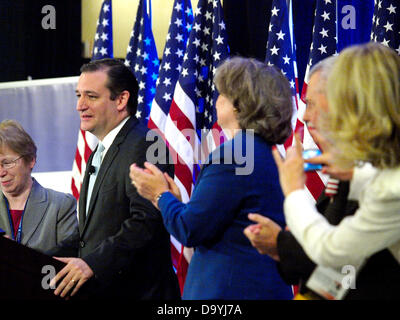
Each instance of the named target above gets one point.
<point>260,95</point>
<point>254,108</point>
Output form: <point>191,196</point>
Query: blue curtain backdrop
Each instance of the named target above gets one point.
<point>364,10</point>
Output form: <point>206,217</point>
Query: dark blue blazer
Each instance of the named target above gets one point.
<point>224,264</point>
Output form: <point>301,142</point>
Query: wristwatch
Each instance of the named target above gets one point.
<point>159,196</point>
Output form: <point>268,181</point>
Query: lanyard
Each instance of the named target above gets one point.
<point>19,231</point>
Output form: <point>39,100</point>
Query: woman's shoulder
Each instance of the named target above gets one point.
<point>375,188</point>
<point>386,184</point>
<point>53,195</point>
<point>245,154</point>
<point>244,143</point>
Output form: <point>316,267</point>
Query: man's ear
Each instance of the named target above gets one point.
<point>32,163</point>
<point>122,100</point>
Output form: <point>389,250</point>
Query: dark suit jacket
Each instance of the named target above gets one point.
<point>379,278</point>
<point>122,237</point>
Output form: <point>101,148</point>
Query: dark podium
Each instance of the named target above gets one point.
<point>25,273</point>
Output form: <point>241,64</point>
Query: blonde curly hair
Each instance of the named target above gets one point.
<point>364,105</point>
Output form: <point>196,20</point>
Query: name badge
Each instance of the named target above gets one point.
<point>331,284</point>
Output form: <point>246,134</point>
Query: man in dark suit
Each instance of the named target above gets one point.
<point>124,248</point>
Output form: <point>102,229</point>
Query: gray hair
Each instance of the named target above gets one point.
<point>325,67</point>
<point>14,137</point>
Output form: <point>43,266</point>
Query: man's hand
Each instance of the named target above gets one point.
<point>263,235</point>
<point>73,276</point>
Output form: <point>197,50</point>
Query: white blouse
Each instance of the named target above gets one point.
<point>374,226</point>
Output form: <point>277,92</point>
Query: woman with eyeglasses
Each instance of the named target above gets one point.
<point>34,216</point>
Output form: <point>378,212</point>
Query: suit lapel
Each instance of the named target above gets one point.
<point>107,161</point>
<point>83,194</point>
<point>4,220</point>
<point>34,211</point>
<point>104,167</point>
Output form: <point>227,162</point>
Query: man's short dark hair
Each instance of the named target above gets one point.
<point>120,78</point>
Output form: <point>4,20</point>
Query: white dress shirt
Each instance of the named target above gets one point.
<point>374,226</point>
<point>109,138</point>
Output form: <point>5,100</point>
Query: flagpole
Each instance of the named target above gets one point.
<point>149,11</point>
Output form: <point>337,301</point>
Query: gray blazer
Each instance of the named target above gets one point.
<point>49,218</point>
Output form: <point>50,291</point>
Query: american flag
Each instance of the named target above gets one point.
<point>281,53</point>
<point>170,68</point>
<point>324,45</point>
<point>142,59</point>
<point>386,23</point>
<point>192,112</point>
<point>102,48</point>
<point>324,40</point>
<point>103,41</point>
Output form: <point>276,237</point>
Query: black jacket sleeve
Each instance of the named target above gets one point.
<point>294,264</point>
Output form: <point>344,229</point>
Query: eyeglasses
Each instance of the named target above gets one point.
<point>9,164</point>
